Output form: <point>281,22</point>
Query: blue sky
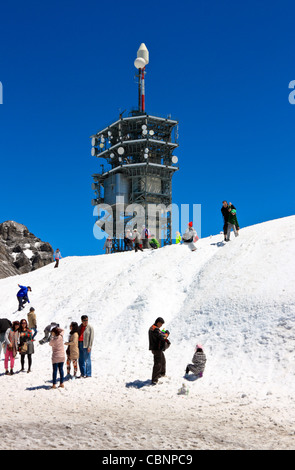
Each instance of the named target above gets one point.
<point>221,68</point>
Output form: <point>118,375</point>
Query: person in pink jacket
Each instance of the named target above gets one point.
<point>58,355</point>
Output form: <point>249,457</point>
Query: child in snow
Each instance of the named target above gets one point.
<point>199,361</point>
<point>178,238</point>
<point>190,236</point>
<point>232,223</point>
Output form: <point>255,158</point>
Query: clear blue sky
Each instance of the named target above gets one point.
<point>222,68</point>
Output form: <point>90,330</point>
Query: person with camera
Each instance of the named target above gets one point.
<point>158,343</point>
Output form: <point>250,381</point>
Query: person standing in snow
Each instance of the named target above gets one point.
<point>137,241</point>
<point>145,235</point>
<point>178,238</point>
<point>58,356</point>
<point>11,340</point>
<point>73,349</point>
<point>158,343</point>
<point>232,223</point>
<point>26,345</point>
<point>190,236</point>
<point>128,241</point>
<point>57,257</point>
<point>225,210</point>
<point>5,324</point>
<point>199,362</point>
<point>108,245</point>
<point>22,296</point>
<point>32,321</point>
<point>86,337</point>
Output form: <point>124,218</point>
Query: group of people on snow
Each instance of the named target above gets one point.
<point>18,337</point>
<point>133,239</point>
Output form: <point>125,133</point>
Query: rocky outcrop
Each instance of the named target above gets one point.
<point>21,251</point>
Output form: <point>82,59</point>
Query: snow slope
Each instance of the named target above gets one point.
<point>237,299</point>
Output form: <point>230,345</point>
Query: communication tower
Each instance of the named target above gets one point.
<point>138,150</point>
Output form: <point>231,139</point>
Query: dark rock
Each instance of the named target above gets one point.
<point>21,251</point>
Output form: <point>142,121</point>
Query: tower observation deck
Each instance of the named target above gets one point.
<point>138,151</point>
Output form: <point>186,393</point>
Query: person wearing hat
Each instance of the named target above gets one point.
<point>158,343</point>
<point>22,296</point>
<point>32,320</point>
<point>199,361</point>
<point>232,223</point>
<point>190,236</point>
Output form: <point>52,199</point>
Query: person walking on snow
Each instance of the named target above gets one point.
<point>158,343</point>
<point>199,361</point>
<point>57,257</point>
<point>190,236</point>
<point>22,296</point>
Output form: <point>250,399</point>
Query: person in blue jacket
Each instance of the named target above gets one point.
<point>22,296</point>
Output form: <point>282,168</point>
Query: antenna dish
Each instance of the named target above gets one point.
<point>152,132</point>
<point>139,63</point>
<point>93,141</point>
<point>93,151</point>
<point>121,150</point>
<point>174,159</point>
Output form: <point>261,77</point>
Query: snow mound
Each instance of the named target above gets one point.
<point>237,299</point>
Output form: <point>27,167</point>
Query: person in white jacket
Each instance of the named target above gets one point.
<point>190,236</point>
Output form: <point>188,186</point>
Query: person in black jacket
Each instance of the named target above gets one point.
<point>158,343</point>
<point>225,213</point>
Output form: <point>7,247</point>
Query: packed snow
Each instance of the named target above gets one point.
<point>236,299</point>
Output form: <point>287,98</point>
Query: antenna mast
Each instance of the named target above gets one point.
<point>140,62</point>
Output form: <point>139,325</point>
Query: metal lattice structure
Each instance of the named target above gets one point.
<point>138,152</point>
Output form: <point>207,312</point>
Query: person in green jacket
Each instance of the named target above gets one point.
<point>232,223</point>
<point>154,243</point>
<point>178,238</point>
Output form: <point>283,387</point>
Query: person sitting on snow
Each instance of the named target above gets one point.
<point>190,236</point>
<point>154,243</point>
<point>199,361</point>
